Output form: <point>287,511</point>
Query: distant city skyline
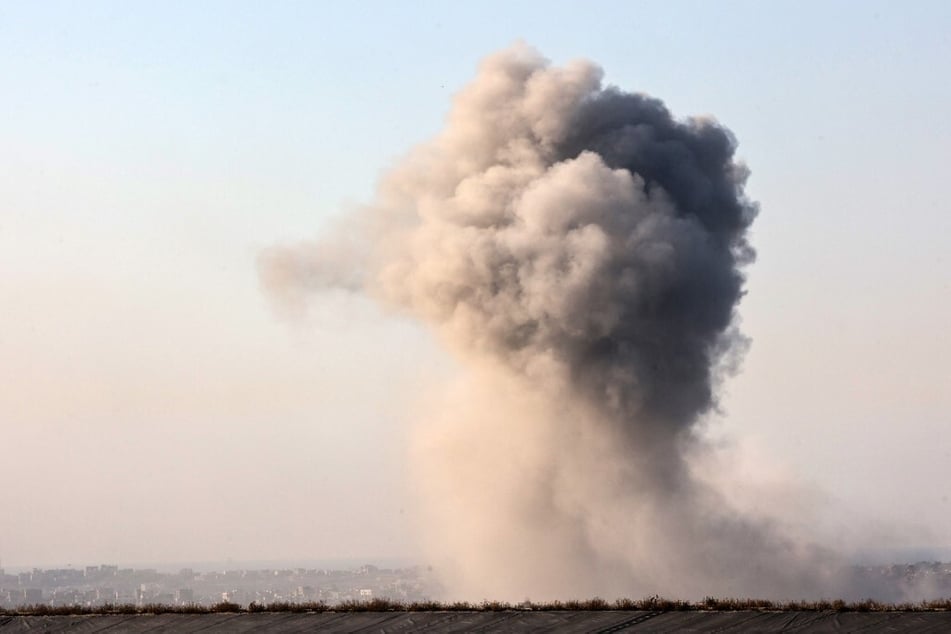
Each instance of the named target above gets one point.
<point>102,585</point>
<point>92,586</point>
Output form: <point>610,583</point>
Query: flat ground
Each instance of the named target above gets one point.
<point>504,621</point>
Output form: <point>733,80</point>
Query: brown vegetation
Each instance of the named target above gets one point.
<point>652,604</point>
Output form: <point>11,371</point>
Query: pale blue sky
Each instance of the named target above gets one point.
<point>148,150</point>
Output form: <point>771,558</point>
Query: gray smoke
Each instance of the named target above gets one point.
<point>581,252</point>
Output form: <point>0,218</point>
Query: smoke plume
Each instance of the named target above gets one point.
<point>581,252</point>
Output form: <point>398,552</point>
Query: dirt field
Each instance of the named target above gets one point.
<point>507,621</point>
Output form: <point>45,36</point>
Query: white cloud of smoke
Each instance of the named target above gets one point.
<point>581,252</point>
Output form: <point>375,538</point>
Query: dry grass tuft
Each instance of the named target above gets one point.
<point>651,604</point>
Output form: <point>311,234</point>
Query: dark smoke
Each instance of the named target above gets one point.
<point>654,365</point>
<point>582,252</point>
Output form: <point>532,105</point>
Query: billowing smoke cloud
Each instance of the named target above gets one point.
<point>581,252</point>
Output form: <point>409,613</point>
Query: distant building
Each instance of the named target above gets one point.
<point>107,595</point>
<point>32,596</point>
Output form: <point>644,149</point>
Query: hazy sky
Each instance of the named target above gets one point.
<point>154,407</point>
